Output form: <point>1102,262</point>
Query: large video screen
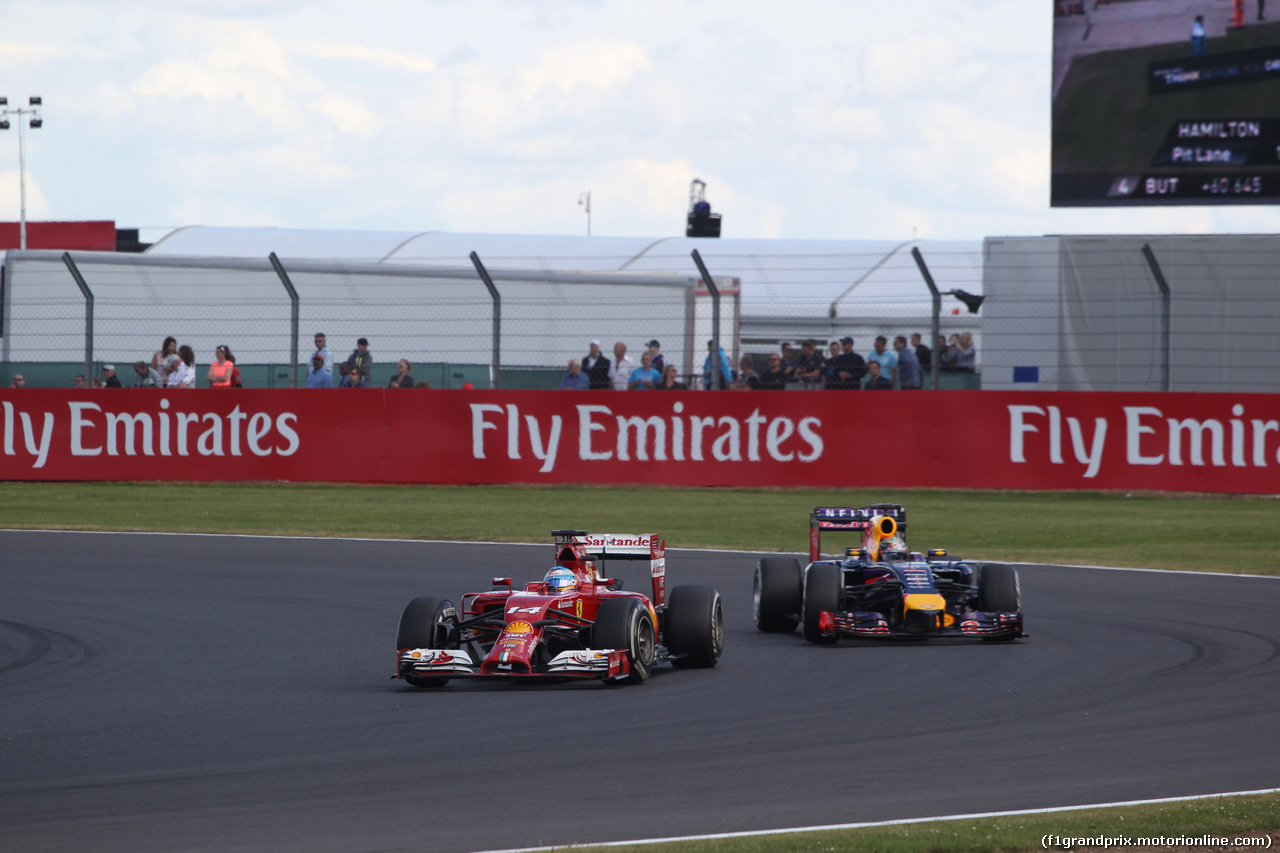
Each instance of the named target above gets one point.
<point>1165,102</point>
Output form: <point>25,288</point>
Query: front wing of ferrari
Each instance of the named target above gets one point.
<point>457,663</point>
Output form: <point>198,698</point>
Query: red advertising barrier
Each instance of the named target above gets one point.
<point>943,439</point>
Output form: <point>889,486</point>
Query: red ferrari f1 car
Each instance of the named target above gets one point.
<point>575,622</point>
<point>883,589</point>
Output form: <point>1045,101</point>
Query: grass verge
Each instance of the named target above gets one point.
<point>1230,534</point>
<point>1220,817</point>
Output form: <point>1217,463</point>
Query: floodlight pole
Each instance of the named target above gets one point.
<point>584,200</point>
<point>33,111</point>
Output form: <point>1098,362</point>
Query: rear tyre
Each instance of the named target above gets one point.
<point>999,592</point>
<point>777,594</point>
<point>823,590</point>
<point>625,623</point>
<point>428,623</point>
<point>695,626</point>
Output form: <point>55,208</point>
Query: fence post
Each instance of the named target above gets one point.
<point>497,319</point>
<point>714,357</point>
<point>935,328</point>
<point>1164,314</point>
<point>88,317</point>
<point>293,317</point>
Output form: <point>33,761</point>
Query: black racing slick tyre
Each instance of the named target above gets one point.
<point>776,593</point>
<point>998,592</point>
<point>694,626</point>
<point>998,589</point>
<point>428,623</point>
<point>625,623</point>
<point>823,590</point>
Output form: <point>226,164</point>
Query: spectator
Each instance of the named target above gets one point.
<point>361,360</point>
<point>644,377</point>
<point>909,375</point>
<point>97,382</point>
<point>774,379</point>
<point>747,378</point>
<point>403,378</point>
<point>887,360</point>
<point>876,382</point>
<point>18,381</point>
<point>80,383</point>
<point>789,356</point>
<point>219,375</point>
<point>946,355</point>
<point>184,369</point>
<point>924,355</point>
<point>109,378</point>
<point>845,371</point>
<point>1197,36</point>
<point>671,380</point>
<point>656,359</point>
<point>966,356</point>
<point>168,348</point>
<point>236,381</point>
<point>354,378</point>
<point>810,365</point>
<point>145,376</point>
<point>597,368</point>
<point>575,379</point>
<point>620,373</point>
<point>323,351</point>
<point>722,368</point>
<point>833,352</point>
<point>319,376</point>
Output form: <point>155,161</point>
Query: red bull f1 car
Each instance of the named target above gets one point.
<point>576,622</point>
<point>882,588</point>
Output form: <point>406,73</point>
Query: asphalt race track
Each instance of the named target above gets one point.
<point>163,693</point>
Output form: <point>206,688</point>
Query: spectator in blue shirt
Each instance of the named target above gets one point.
<point>644,377</point>
<point>319,376</point>
<point>909,374</point>
<point>888,361</point>
<point>725,371</point>
<point>575,379</point>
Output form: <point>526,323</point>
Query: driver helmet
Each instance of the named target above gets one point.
<point>893,548</point>
<point>560,580</point>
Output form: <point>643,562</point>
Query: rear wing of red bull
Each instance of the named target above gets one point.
<point>859,520</point>
<point>623,546</point>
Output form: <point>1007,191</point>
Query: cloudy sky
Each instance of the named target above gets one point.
<point>856,119</point>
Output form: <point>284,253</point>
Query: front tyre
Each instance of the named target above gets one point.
<point>428,623</point>
<point>999,592</point>
<point>695,626</point>
<point>625,623</point>
<point>776,594</point>
<point>823,591</point>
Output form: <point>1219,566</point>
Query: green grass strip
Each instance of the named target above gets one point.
<point>1226,534</point>
<point>1218,817</point>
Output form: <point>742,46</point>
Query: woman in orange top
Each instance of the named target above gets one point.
<point>220,370</point>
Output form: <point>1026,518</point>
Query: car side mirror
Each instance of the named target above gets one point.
<point>612,583</point>
<point>502,582</point>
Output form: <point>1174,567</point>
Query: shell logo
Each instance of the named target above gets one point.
<point>519,628</point>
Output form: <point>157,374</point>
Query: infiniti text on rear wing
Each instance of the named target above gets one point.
<point>856,520</point>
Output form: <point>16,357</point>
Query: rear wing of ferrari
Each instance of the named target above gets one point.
<point>623,546</point>
<point>855,520</point>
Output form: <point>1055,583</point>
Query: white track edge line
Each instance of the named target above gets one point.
<point>878,823</point>
<point>544,544</point>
